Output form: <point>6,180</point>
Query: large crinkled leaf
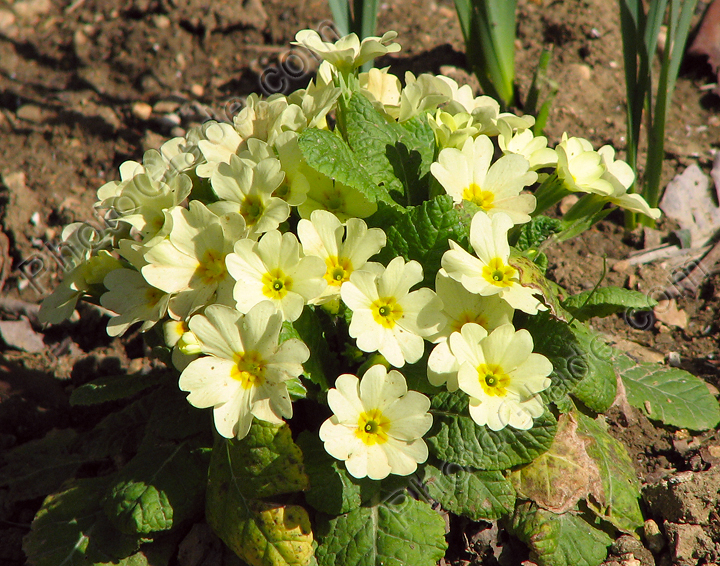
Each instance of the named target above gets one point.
<point>70,529</point>
<point>475,494</point>
<point>670,395</point>
<point>559,478</point>
<point>396,156</point>
<point>559,540</point>
<point>114,387</point>
<point>421,233</point>
<point>606,301</point>
<point>328,154</point>
<point>531,234</point>
<point>620,501</point>
<point>265,463</point>
<point>158,489</point>
<point>400,533</point>
<point>456,438</point>
<point>267,460</point>
<point>39,467</point>
<point>332,489</point>
<point>570,348</point>
<point>598,388</point>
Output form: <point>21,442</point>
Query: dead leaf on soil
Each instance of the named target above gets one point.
<point>562,476</point>
<point>19,334</point>
<point>707,40</point>
<point>688,201</point>
<point>667,311</point>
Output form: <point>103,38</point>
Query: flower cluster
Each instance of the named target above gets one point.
<point>226,236</point>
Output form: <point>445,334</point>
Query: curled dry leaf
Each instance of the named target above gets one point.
<point>562,476</point>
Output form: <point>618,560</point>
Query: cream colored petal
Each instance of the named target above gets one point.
<point>209,382</point>
<point>380,388</point>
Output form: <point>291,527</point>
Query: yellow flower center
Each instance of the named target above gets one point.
<point>493,380</point>
<point>484,199</point>
<point>212,267</point>
<point>372,427</point>
<point>497,273</point>
<point>252,209</point>
<point>338,270</point>
<point>276,284</point>
<point>249,369</point>
<point>468,316</point>
<point>153,296</point>
<point>386,311</point>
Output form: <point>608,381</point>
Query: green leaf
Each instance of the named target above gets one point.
<point>265,463</point>
<point>115,387</point>
<point>669,395</point>
<point>620,501</point>
<point>330,155</point>
<point>598,389</point>
<point>173,418</point>
<point>158,489</point>
<point>323,361</point>
<point>397,157</point>
<point>421,233</point>
<point>560,343</point>
<point>533,233</point>
<point>559,478</point>
<point>456,438</point>
<point>332,489</point>
<point>39,467</point>
<point>477,495</point>
<point>70,529</point>
<point>559,540</point>
<point>120,433</point>
<point>398,534</point>
<point>606,301</point>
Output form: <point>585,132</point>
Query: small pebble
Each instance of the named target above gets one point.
<point>673,359</point>
<point>142,110</point>
<point>653,537</point>
<point>197,90</point>
<point>35,218</point>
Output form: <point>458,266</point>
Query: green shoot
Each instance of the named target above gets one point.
<point>361,19</point>
<point>640,30</point>
<point>488,27</point>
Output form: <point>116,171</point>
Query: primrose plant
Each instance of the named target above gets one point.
<point>351,278</point>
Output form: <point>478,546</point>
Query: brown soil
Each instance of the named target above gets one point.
<point>85,85</point>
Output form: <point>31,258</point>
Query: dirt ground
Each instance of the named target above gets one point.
<point>86,85</point>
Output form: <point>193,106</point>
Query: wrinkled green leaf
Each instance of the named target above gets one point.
<point>670,395</point>
<point>531,234</point>
<point>121,432</point>
<point>456,438</point>
<point>400,533</point>
<point>332,489</point>
<point>559,478</point>
<point>606,301</point>
<point>477,495</point>
<point>330,155</point>
<point>39,467</point>
<point>598,389</point>
<point>559,540</point>
<point>421,233</point>
<point>397,157</point>
<point>114,387</point>
<point>158,489</point>
<point>265,463</point>
<point>577,355</point>
<point>620,502</point>
<point>71,529</point>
